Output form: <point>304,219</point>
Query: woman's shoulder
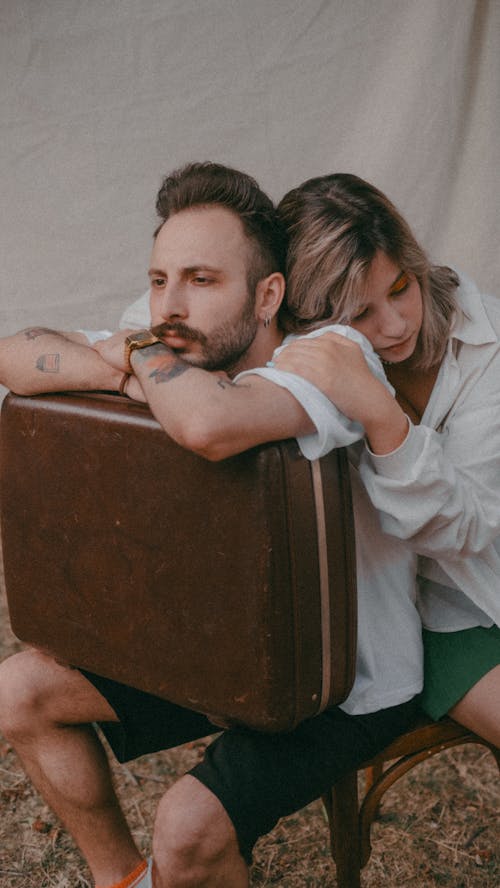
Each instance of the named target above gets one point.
<point>479,309</point>
<point>491,305</point>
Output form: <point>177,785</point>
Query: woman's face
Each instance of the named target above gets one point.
<point>391,315</point>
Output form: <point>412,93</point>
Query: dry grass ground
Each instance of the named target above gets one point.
<point>439,827</point>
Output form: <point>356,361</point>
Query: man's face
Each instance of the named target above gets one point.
<point>199,291</point>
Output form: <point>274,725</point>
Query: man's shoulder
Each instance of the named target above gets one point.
<point>339,329</point>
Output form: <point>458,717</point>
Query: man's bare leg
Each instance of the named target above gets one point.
<point>479,709</point>
<point>45,712</point>
<point>194,843</point>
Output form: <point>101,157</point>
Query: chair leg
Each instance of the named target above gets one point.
<point>350,823</point>
<point>342,809</point>
<point>372,774</point>
<point>371,803</point>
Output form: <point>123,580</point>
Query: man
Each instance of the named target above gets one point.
<point>216,291</point>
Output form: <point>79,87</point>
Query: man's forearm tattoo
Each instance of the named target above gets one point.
<point>35,332</point>
<point>48,363</point>
<point>169,371</point>
<point>170,366</point>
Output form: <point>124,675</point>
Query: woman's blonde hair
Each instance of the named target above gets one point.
<point>335,225</point>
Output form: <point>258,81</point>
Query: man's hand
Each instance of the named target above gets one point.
<point>112,350</point>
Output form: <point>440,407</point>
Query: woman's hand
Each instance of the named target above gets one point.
<point>336,365</point>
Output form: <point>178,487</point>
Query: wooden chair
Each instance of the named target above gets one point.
<point>350,822</point>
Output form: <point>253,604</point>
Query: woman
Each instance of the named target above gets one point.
<point>431,460</point>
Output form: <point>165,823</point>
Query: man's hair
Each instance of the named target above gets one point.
<point>335,225</point>
<point>212,184</point>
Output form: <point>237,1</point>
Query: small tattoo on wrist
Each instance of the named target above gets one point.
<point>48,363</point>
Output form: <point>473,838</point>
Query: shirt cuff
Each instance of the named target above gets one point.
<point>396,463</point>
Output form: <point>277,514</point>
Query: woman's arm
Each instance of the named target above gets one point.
<point>337,366</point>
<point>438,490</point>
<point>441,490</point>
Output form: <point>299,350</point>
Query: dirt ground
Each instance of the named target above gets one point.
<point>438,827</point>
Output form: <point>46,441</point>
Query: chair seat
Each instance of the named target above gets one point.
<point>425,734</point>
<point>350,822</point>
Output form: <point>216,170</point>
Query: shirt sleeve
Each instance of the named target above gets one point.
<point>369,353</point>
<point>333,428</point>
<point>95,335</point>
<point>440,490</point>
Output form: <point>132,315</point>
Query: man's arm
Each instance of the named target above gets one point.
<point>208,413</point>
<point>38,359</point>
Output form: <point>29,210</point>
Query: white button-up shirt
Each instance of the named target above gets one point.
<point>440,490</point>
<point>389,655</point>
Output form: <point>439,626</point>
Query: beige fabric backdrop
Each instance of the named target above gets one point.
<point>100,98</point>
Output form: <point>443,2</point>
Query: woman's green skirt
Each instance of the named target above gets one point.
<point>453,663</point>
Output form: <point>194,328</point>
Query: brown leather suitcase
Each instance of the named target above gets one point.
<point>225,587</point>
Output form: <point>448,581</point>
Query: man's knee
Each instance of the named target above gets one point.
<point>194,839</point>
<point>39,693</point>
<point>19,692</point>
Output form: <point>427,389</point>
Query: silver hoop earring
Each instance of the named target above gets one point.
<point>267,321</point>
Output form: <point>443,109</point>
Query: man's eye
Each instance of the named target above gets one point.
<point>201,279</point>
<point>157,282</point>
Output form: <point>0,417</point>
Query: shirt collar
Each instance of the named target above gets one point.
<point>471,325</point>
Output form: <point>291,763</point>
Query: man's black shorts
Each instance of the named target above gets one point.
<point>257,777</point>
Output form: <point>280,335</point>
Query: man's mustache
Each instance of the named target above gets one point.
<point>180,330</point>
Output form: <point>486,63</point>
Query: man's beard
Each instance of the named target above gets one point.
<point>224,347</point>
